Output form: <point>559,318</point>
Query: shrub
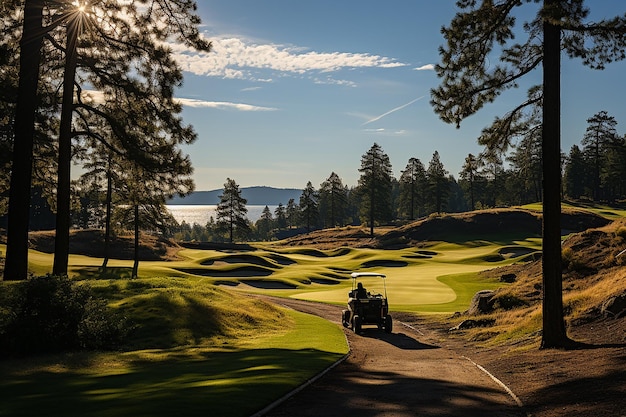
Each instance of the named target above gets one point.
<point>571,261</point>
<point>52,314</point>
<point>509,302</point>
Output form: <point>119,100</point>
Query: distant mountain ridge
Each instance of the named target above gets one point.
<point>256,196</point>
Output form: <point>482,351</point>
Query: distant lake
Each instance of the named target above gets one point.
<point>200,214</point>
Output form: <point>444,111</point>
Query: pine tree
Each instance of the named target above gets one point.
<point>599,137</point>
<point>438,185</point>
<point>470,178</point>
<point>231,212</point>
<point>293,213</point>
<point>471,78</point>
<point>280,212</point>
<point>575,177</point>
<point>265,223</point>
<point>412,185</point>
<point>375,186</point>
<point>309,206</point>
<point>613,175</point>
<point>333,200</point>
<point>526,165</point>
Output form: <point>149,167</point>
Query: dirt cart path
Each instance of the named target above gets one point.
<point>405,373</point>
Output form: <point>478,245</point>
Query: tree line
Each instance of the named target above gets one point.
<point>594,171</point>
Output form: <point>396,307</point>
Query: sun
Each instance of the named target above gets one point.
<point>80,7</point>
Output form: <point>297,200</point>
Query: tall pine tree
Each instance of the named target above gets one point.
<point>231,212</point>
<point>470,78</point>
<point>375,186</point>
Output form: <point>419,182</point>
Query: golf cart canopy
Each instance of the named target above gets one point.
<point>356,275</point>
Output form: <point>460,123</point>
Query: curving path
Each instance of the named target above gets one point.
<point>405,373</point>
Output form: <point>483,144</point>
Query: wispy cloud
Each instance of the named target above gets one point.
<point>427,67</point>
<point>222,105</point>
<point>374,119</point>
<point>386,132</point>
<point>332,81</point>
<point>240,59</point>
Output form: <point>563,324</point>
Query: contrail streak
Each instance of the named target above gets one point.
<point>392,111</point>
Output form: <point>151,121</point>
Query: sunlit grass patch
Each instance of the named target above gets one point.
<point>196,351</point>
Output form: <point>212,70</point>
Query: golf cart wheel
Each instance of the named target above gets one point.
<point>356,324</point>
<point>388,324</point>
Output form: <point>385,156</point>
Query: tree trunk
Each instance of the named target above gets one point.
<point>16,264</point>
<point>136,252</point>
<point>554,334</point>
<point>107,218</point>
<point>412,215</point>
<point>372,200</point>
<point>62,239</point>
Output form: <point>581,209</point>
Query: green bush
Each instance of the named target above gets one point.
<point>53,314</point>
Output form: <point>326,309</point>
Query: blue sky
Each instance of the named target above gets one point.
<point>295,90</point>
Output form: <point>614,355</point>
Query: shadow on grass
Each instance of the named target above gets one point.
<point>243,271</point>
<point>223,384</point>
<point>269,284</point>
<point>251,259</point>
<point>105,273</point>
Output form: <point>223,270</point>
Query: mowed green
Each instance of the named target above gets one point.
<point>416,278</point>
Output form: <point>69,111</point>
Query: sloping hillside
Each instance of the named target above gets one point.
<point>486,225</point>
<point>90,242</point>
<point>496,224</point>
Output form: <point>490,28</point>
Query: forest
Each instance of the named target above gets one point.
<point>593,171</point>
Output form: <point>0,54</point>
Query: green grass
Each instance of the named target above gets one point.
<point>260,358</point>
<point>202,342</point>
<point>414,275</point>
<point>465,286</point>
<point>608,212</point>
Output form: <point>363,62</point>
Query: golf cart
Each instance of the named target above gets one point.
<point>366,308</point>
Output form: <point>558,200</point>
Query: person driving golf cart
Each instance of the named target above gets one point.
<point>361,292</point>
<point>365,308</point>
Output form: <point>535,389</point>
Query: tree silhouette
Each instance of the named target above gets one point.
<point>375,186</point>
<point>412,185</point>
<point>471,175</point>
<point>309,206</point>
<point>333,199</point>
<point>599,137</point>
<point>438,184</point>
<point>231,211</point>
